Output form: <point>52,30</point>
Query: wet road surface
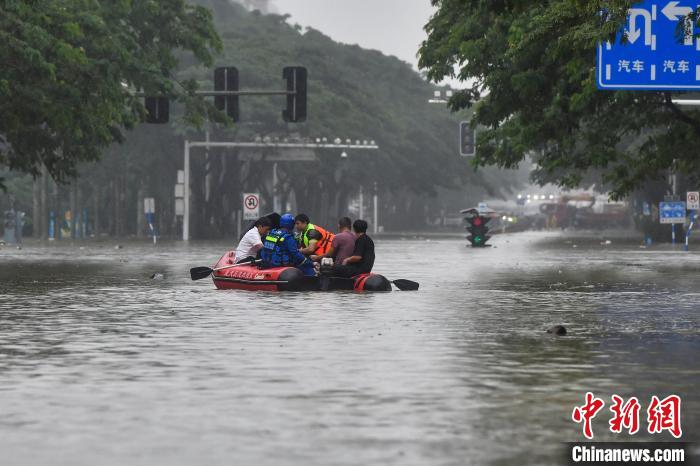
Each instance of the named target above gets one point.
<point>101,365</point>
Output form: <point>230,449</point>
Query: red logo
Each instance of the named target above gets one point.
<point>587,412</point>
<point>665,415</point>
<point>662,415</point>
<point>626,415</point>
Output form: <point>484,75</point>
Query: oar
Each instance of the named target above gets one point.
<point>406,285</point>
<point>197,273</point>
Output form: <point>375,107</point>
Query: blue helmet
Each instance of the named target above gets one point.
<point>287,221</point>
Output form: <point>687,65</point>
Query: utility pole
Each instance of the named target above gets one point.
<point>362,203</point>
<point>276,207</point>
<point>186,216</point>
<point>376,213</point>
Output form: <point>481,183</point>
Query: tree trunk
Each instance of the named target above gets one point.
<point>73,209</point>
<point>36,208</point>
<point>44,220</point>
<point>96,194</point>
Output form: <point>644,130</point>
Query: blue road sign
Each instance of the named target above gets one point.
<point>656,56</point>
<point>672,212</point>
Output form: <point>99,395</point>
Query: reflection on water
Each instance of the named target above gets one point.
<point>101,365</point>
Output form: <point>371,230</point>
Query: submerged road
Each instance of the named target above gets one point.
<point>101,365</point>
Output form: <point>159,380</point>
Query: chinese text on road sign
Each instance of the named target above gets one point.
<point>661,51</point>
<point>672,212</point>
<point>251,206</point>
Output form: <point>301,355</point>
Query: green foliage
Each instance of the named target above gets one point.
<point>530,69</point>
<point>68,69</point>
<point>353,94</point>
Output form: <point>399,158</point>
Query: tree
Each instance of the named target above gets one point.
<point>70,69</point>
<point>530,66</point>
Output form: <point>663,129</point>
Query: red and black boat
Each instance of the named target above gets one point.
<point>253,278</point>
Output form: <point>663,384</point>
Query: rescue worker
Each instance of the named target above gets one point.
<point>280,248</point>
<point>313,240</point>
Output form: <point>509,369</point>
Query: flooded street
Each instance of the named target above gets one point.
<point>99,364</point>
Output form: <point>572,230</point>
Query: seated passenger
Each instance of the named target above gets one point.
<point>280,248</point>
<point>362,259</point>
<point>312,239</point>
<point>251,243</point>
<point>343,243</point>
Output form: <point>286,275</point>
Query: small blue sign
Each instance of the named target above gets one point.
<point>657,55</point>
<point>672,212</point>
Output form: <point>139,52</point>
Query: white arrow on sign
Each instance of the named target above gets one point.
<point>633,34</point>
<point>674,12</point>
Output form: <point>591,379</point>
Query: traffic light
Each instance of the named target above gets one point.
<point>226,79</point>
<point>478,230</point>
<point>157,109</point>
<point>296,103</point>
<point>467,139</point>
<point>9,222</point>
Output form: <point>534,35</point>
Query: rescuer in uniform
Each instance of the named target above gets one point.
<point>280,248</point>
<point>313,240</point>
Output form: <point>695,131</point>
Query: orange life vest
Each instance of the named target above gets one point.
<point>324,244</point>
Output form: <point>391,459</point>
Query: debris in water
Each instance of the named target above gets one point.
<point>559,330</point>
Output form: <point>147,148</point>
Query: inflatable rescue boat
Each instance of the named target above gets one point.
<point>253,278</point>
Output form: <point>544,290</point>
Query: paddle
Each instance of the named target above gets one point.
<point>406,285</point>
<point>198,273</point>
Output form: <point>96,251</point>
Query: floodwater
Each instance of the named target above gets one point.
<point>100,365</point>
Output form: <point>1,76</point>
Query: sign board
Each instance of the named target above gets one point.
<point>292,154</point>
<point>672,212</point>
<point>655,56</point>
<point>179,207</point>
<point>180,190</point>
<point>251,206</point>
<point>181,176</point>
<point>149,205</point>
<point>693,200</point>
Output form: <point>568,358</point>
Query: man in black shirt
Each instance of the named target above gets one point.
<point>362,259</point>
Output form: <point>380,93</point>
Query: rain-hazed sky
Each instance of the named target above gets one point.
<point>394,27</point>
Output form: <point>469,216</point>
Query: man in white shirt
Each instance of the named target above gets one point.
<point>251,242</point>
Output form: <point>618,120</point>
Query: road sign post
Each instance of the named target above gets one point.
<point>673,213</point>
<point>251,206</point>
<point>654,57</point>
<point>693,205</point>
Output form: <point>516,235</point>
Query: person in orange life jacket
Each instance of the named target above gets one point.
<point>362,259</point>
<point>280,248</point>
<point>312,239</point>
<point>342,245</point>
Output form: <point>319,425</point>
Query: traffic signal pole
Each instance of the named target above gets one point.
<point>226,93</point>
<point>278,145</point>
<point>186,190</point>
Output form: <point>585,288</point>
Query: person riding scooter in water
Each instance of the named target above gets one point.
<point>280,248</point>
